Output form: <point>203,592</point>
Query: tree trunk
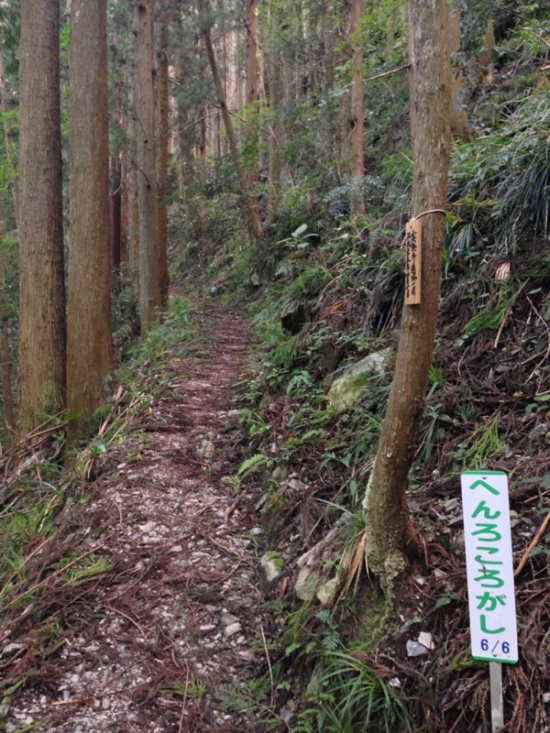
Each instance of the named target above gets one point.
<point>357,200</point>
<point>255,229</point>
<point>163,132</point>
<point>115,196</point>
<point>132,195</point>
<point>10,148</point>
<point>251,97</point>
<point>150,276</point>
<point>41,362</point>
<point>274,98</point>
<point>386,512</point>
<point>89,350</point>
<point>5,356</point>
<point>202,220</point>
<point>459,117</point>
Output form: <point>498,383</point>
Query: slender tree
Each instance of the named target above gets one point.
<point>274,99</point>
<point>41,362</point>
<point>253,221</point>
<point>357,111</point>
<point>89,351</point>
<point>251,96</point>
<point>386,512</point>
<point>5,351</point>
<point>150,271</point>
<point>163,132</point>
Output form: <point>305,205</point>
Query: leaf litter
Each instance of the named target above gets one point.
<point>142,605</point>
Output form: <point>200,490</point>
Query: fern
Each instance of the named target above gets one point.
<point>251,464</point>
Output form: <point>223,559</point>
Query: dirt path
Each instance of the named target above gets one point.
<point>171,624</point>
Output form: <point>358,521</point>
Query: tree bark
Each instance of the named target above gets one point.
<point>89,350</point>
<point>275,99</point>
<point>10,147</point>
<point>163,132</point>
<point>386,512</point>
<point>459,117</point>
<point>255,229</point>
<point>115,195</point>
<point>357,200</point>
<point>41,363</point>
<point>150,276</point>
<point>132,195</point>
<point>251,95</point>
<point>5,355</point>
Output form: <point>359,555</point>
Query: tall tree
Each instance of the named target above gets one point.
<point>89,351</point>
<point>253,221</point>
<point>150,274</point>
<point>275,98</point>
<point>251,96</point>
<point>41,362</point>
<point>357,111</point>
<point>163,132</point>
<point>386,512</point>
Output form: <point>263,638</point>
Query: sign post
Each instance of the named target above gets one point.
<point>490,571</point>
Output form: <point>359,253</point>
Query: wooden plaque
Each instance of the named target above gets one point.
<point>413,262</point>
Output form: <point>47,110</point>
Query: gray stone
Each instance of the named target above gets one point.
<point>326,591</point>
<point>350,386</point>
<point>426,639</point>
<point>232,629</point>
<point>272,565</point>
<point>414,649</point>
<point>306,584</point>
<point>228,619</point>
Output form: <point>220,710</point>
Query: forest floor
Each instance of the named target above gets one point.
<point>150,644</point>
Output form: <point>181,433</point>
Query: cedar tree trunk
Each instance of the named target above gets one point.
<point>163,133</point>
<point>150,276</point>
<point>357,200</point>
<point>255,229</point>
<point>41,361</point>
<point>89,350</point>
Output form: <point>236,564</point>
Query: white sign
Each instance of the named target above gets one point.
<point>489,566</point>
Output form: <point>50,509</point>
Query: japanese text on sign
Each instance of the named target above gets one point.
<point>489,566</point>
<point>413,261</point>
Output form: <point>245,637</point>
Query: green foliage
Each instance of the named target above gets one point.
<point>482,445</point>
<point>350,698</point>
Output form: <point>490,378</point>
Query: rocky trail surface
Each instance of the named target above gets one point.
<point>154,643</point>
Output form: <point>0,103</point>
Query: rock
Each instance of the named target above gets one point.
<point>414,649</point>
<point>228,619</point>
<point>288,711</point>
<point>10,728</point>
<point>426,639</point>
<point>232,629</point>
<point>539,431</point>
<point>255,279</point>
<point>13,647</point>
<point>297,485</point>
<point>147,527</point>
<point>272,565</point>
<point>207,628</point>
<point>326,591</point>
<point>306,584</point>
<point>206,450</point>
<point>256,531</point>
<point>350,386</point>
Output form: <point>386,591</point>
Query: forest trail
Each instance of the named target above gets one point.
<point>152,642</point>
